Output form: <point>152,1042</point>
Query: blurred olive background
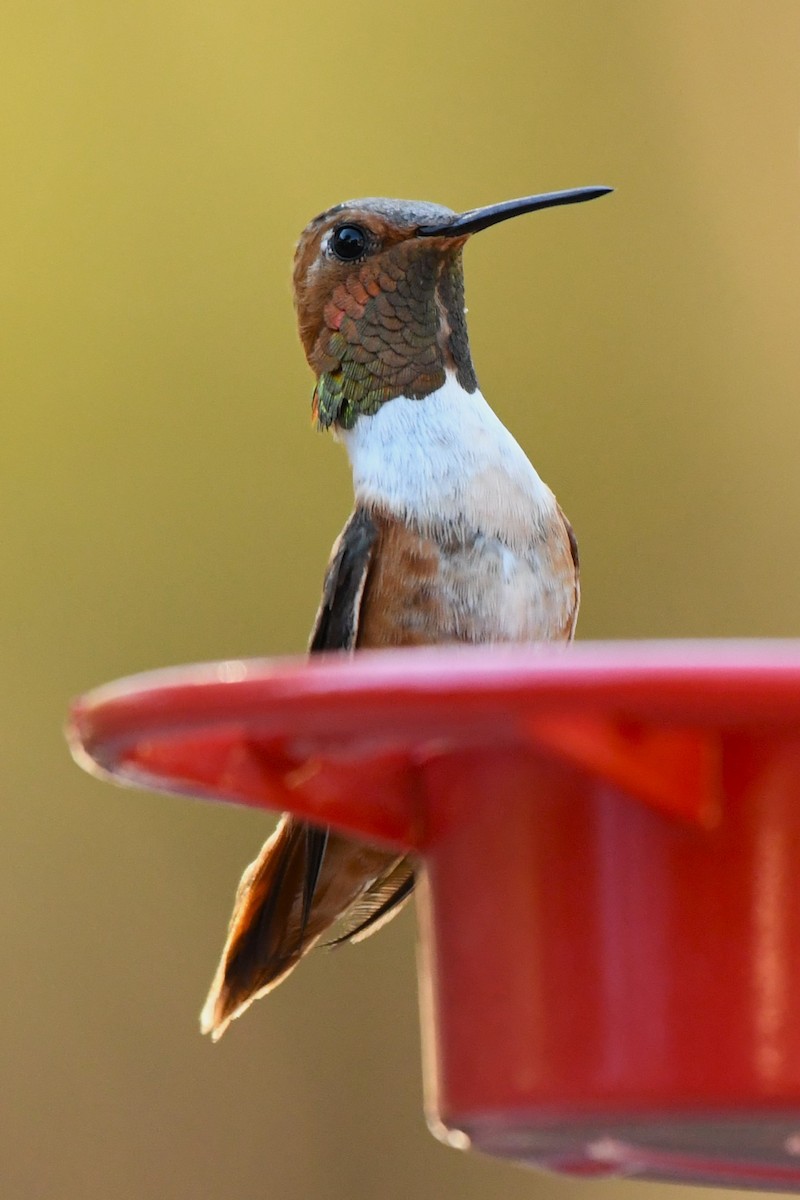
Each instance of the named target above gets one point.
<point>163,498</point>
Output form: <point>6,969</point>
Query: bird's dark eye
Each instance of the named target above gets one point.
<point>348,242</point>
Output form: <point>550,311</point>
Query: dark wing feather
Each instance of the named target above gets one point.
<point>272,924</point>
<point>316,841</point>
<point>576,563</point>
<point>336,626</point>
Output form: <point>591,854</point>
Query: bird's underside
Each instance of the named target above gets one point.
<point>386,585</point>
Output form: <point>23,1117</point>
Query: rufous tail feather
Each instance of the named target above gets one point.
<point>302,882</point>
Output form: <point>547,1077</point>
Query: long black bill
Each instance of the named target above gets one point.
<point>481,218</point>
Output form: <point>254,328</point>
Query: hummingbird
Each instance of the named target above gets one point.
<point>454,538</point>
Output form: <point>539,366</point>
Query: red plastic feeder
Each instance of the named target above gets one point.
<point>610,906</point>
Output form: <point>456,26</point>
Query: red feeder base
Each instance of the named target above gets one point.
<point>610,906</point>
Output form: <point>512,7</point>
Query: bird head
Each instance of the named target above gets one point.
<point>379,293</point>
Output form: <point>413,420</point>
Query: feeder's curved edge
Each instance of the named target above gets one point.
<point>118,735</point>
<point>645,717</point>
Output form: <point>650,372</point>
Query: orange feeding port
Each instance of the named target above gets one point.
<point>610,899</point>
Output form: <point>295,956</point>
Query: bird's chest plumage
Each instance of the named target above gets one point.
<point>471,545</point>
<point>423,590</point>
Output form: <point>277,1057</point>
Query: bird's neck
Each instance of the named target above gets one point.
<point>447,464</point>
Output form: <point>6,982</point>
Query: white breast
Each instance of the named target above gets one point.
<point>448,458</point>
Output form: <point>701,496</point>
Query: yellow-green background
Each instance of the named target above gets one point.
<point>163,499</point>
